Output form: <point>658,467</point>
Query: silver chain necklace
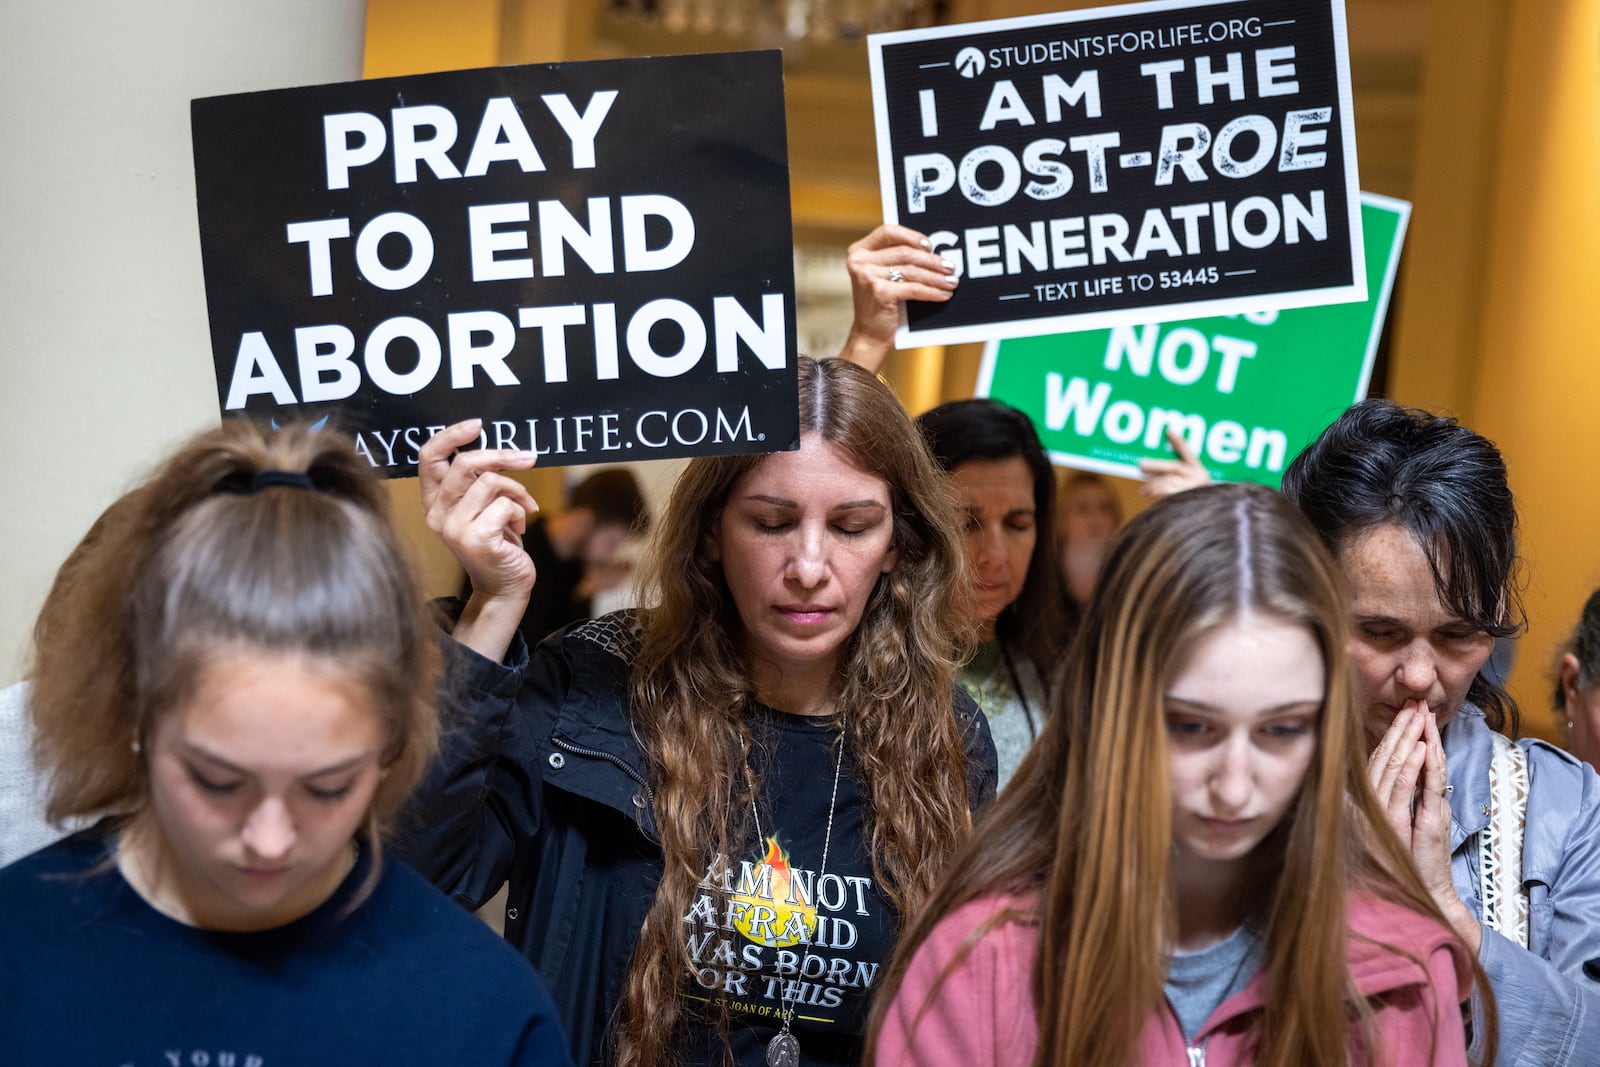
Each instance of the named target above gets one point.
<point>784,1048</point>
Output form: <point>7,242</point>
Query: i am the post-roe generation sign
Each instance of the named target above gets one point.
<point>1123,165</point>
<point>594,258</point>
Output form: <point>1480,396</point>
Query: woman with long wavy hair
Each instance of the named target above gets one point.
<point>715,812</point>
<point>1190,865</point>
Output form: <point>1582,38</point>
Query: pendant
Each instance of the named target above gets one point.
<point>783,1050</point>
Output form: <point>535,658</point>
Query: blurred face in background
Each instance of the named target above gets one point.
<point>1088,517</point>
<point>1088,514</point>
<point>1581,704</point>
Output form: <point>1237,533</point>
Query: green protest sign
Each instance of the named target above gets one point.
<point>1247,391</point>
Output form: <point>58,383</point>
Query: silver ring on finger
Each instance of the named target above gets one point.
<point>896,274</point>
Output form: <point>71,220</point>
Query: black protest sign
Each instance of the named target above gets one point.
<point>594,258</point>
<point>1123,165</point>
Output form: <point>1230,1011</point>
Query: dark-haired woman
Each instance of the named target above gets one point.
<point>233,676</point>
<point>1005,487</point>
<point>1419,513</point>
<point>716,812</point>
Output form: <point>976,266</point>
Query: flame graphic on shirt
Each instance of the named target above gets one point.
<point>773,907</point>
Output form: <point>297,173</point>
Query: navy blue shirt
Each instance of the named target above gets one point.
<point>92,976</point>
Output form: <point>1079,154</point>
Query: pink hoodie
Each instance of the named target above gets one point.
<point>982,1015</point>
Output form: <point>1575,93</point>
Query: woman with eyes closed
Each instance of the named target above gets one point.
<point>715,812</point>
<point>1418,511</point>
<point>1189,867</point>
<point>1005,486</point>
<point>233,677</point>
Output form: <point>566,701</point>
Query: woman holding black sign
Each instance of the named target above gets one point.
<point>716,812</point>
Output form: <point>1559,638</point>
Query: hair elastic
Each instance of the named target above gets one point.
<point>245,485</point>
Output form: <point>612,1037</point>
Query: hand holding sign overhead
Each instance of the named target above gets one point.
<point>480,515</point>
<point>887,267</point>
<point>1163,477</point>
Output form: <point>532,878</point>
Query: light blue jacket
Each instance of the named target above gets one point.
<point>1549,1007</point>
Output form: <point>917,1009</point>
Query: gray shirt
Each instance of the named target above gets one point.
<point>1198,982</point>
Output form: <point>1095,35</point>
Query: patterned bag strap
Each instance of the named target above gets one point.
<point>1505,902</point>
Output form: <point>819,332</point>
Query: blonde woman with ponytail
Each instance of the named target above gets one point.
<point>1190,867</point>
<point>715,813</point>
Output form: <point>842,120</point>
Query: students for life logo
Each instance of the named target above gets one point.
<point>970,62</point>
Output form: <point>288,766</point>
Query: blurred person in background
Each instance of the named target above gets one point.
<point>1577,690</point>
<point>1087,516</point>
<point>581,552</point>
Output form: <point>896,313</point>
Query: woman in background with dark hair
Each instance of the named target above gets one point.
<point>1418,511</point>
<point>1005,487</point>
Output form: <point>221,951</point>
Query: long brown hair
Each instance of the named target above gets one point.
<point>201,559</point>
<point>1085,826</point>
<point>691,690</point>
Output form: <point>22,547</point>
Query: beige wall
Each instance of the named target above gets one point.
<point>104,358</point>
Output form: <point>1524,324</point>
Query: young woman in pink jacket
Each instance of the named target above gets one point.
<point>1189,867</point>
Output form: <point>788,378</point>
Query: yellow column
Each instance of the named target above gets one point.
<point>1439,300</point>
<point>421,36</point>
<point>1538,388</point>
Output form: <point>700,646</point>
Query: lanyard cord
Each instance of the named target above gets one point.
<point>1016,686</point>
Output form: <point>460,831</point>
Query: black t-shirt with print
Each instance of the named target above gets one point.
<point>777,927</point>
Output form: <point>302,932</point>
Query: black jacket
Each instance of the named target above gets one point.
<point>543,784</point>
